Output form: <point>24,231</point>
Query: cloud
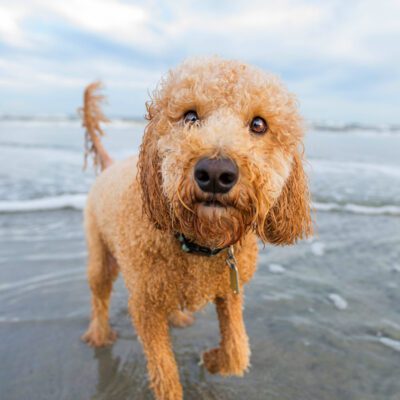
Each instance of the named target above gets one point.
<point>118,21</point>
<point>11,31</point>
<point>38,74</point>
<point>326,51</point>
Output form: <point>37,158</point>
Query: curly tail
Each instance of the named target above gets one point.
<point>92,116</point>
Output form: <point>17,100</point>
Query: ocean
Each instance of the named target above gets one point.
<point>323,316</point>
<point>352,169</point>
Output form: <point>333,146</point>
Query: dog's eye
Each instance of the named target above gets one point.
<point>258,125</point>
<point>190,117</point>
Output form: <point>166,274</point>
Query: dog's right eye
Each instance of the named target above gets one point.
<point>190,117</point>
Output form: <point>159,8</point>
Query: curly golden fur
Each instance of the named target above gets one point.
<point>131,223</point>
<point>92,116</point>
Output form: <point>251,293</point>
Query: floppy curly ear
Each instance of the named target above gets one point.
<point>290,217</point>
<point>150,178</point>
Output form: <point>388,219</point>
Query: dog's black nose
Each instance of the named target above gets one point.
<point>216,175</point>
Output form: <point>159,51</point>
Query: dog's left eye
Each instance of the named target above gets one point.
<point>258,125</point>
<point>190,117</point>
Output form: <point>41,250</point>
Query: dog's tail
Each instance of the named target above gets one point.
<point>92,116</point>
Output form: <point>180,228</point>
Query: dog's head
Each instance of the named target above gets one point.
<point>221,155</point>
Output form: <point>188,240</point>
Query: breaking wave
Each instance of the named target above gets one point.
<point>72,201</point>
<point>358,208</point>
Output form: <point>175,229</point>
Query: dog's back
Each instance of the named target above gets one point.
<point>115,186</point>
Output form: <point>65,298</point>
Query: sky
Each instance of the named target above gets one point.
<point>341,58</point>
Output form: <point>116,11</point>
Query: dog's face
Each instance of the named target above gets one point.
<point>220,156</point>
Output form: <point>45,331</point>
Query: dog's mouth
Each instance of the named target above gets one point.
<point>212,203</point>
<point>213,206</point>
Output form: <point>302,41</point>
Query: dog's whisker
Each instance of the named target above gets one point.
<point>183,203</point>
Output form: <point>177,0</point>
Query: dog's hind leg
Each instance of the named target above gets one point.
<point>181,319</point>
<point>102,271</point>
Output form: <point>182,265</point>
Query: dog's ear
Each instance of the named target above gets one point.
<point>149,175</point>
<point>289,219</point>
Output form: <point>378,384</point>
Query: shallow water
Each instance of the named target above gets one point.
<point>303,345</point>
<point>323,317</point>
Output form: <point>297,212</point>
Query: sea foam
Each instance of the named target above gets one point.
<point>388,342</point>
<point>339,302</point>
<point>276,269</point>
<point>358,209</point>
<point>73,201</point>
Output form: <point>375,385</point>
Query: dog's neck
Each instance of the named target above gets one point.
<point>189,246</point>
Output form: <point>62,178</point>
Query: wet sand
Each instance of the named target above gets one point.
<point>323,319</point>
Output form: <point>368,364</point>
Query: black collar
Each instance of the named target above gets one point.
<point>191,247</point>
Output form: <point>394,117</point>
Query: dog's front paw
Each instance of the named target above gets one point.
<point>97,336</point>
<point>218,362</point>
<point>211,360</point>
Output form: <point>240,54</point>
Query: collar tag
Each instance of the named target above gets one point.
<point>233,271</point>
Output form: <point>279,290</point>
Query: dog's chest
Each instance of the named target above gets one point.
<point>200,280</point>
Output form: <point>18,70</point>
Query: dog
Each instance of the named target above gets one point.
<point>220,165</point>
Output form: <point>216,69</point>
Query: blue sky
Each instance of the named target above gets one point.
<point>341,58</point>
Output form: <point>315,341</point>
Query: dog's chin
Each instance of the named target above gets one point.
<point>212,210</point>
<point>217,225</point>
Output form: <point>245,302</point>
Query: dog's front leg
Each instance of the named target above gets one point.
<point>232,357</point>
<point>152,327</point>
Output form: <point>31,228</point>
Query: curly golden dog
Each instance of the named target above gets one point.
<point>220,165</point>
